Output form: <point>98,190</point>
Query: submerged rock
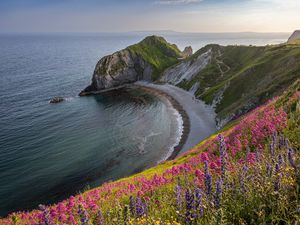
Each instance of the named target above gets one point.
<point>56,99</point>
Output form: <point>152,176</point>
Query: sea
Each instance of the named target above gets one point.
<point>51,151</point>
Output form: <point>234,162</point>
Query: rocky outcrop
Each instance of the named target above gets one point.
<point>186,70</point>
<point>117,69</point>
<point>295,36</point>
<point>56,99</point>
<point>188,51</point>
<point>143,61</point>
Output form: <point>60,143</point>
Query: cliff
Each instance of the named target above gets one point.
<point>143,61</point>
<point>236,79</point>
<point>295,37</point>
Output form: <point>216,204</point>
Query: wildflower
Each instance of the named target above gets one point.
<point>178,196</point>
<point>71,220</point>
<point>100,218</point>
<point>222,155</point>
<point>291,158</point>
<point>218,194</point>
<point>84,220</point>
<point>208,179</point>
<point>269,170</point>
<point>277,181</point>
<point>286,143</point>
<point>280,160</point>
<point>140,208</point>
<point>46,215</point>
<point>132,205</point>
<point>198,201</point>
<point>271,146</point>
<point>189,198</point>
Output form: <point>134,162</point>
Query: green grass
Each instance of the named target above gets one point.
<point>256,74</point>
<point>157,52</point>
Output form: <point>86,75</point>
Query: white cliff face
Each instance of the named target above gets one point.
<point>120,68</point>
<point>187,69</point>
<point>295,36</point>
<point>194,88</point>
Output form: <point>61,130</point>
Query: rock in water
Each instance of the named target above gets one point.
<point>57,99</point>
<point>295,36</point>
<point>143,61</point>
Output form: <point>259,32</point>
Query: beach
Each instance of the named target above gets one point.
<point>198,118</point>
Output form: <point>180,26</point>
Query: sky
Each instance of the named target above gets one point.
<point>149,15</point>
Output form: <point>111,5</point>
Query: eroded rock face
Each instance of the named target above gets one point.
<point>295,36</point>
<point>186,70</point>
<point>188,51</point>
<point>117,69</point>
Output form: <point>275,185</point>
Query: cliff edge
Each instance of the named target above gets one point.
<point>295,37</point>
<point>145,60</point>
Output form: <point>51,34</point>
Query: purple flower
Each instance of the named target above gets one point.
<point>208,179</point>
<point>273,144</point>
<point>286,143</point>
<point>189,198</point>
<point>198,201</point>
<point>291,158</point>
<point>269,170</point>
<point>84,220</point>
<point>46,215</point>
<point>280,160</point>
<point>100,218</point>
<point>257,156</point>
<point>132,205</point>
<point>272,149</point>
<point>139,209</point>
<point>218,194</point>
<point>277,180</point>
<point>178,196</point>
<point>222,155</point>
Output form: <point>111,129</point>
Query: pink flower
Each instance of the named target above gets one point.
<point>140,193</point>
<point>199,174</point>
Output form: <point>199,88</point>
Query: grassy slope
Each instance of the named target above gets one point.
<point>255,75</point>
<point>248,197</point>
<point>157,52</point>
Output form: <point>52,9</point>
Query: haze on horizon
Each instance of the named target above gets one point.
<point>143,15</point>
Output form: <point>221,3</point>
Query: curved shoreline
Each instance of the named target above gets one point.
<point>178,107</point>
<point>197,117</point>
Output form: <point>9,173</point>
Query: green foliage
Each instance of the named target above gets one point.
<point>251,75</point>
<point>157,52</point>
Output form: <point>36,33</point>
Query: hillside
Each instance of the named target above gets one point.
<point>235,79</point>
<point>145,60</point>
<point>248,173</point>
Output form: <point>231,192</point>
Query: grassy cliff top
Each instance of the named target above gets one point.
<point>158,52</point>
<point>246,76</point>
